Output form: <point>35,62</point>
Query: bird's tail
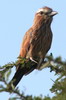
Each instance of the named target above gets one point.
<point>21,71</point>
<point>16,78</point>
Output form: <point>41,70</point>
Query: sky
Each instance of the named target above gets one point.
<point>16,17</point>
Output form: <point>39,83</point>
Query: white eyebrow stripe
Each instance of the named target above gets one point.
<point>40,10</point>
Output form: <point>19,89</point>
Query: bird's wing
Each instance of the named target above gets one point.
<point>26,43</point>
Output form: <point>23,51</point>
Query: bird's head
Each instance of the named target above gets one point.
<point>45,14</point>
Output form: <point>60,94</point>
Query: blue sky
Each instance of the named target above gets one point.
<point>16,17</point>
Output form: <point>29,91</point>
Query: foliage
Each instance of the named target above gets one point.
<point>55,64</point>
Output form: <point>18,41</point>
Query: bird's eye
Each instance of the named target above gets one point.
<point>41,12</point>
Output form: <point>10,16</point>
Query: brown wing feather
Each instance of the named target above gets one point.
<point>26,43</point>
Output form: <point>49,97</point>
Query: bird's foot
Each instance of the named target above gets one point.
<point>40,64</point>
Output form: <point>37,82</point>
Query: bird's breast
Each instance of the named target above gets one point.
<point>41,42</point>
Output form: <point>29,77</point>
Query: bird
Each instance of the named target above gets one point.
<point>37,40</point>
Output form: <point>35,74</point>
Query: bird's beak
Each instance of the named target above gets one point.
<point>53,13</point>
